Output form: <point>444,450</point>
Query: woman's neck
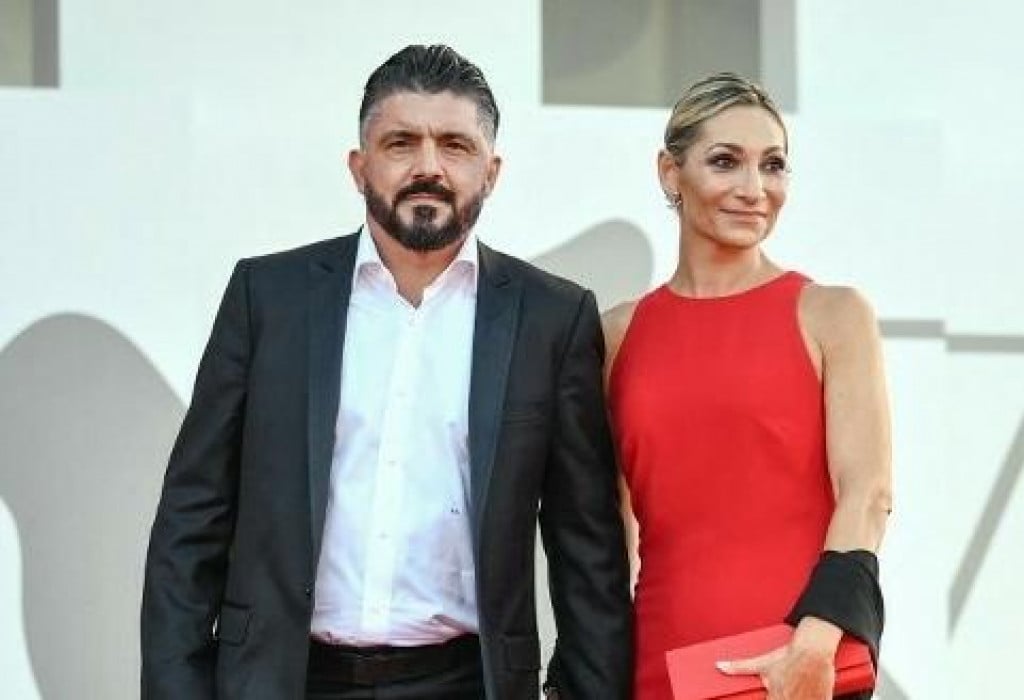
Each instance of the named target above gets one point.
<point>713,271</point>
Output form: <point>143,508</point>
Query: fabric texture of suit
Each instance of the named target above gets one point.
<point>234,547</point>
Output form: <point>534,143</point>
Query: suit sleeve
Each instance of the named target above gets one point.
<point>188,548</point>
<point>582,529</point>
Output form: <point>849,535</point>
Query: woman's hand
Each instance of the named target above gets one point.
<point>803,669</point>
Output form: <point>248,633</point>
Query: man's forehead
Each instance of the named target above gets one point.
<point>423,110</point>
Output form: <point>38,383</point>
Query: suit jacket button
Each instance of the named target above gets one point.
<point>308,591</point>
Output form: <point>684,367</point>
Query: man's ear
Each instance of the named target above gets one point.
<point>355,168</point>
<point>493,170</point>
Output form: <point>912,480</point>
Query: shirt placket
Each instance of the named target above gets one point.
<point>383,535</point>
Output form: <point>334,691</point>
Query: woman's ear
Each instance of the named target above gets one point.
<point>668,175</point>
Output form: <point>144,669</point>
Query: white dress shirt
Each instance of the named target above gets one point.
<point>396,564</point>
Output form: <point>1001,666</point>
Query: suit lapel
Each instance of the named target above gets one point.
<point>330,285</point>
<point>497,317</point>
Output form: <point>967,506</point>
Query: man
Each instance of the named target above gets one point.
<point>377,424</point>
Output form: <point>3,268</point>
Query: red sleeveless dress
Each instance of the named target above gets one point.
<point>719,423</point>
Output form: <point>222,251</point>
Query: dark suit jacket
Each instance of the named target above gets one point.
<point>233,552</point>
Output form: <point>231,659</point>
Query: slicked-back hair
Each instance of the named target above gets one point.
<point>709,97</point>
<point>431,70</point>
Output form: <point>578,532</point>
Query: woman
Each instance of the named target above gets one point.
<point>751,418</point>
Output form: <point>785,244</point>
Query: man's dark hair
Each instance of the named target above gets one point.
<point>432,70</point>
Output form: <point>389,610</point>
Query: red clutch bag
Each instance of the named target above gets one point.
<point>694,676</point>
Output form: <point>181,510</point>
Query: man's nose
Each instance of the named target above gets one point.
<point>428,163</point>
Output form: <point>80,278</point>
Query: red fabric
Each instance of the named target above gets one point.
<point>719,423</point>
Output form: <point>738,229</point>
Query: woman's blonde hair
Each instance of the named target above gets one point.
<point>711,96</point>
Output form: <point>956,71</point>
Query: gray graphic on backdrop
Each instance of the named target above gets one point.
<point>1009,472</point>
<point>642,53</point>
<point>86,423</point>
<point>988,524</point>
<point>29,43</point>
<point>613,258</point>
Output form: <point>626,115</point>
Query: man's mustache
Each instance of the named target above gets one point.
<point>432,188</point>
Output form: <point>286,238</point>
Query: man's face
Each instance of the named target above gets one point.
<point>424,168</point>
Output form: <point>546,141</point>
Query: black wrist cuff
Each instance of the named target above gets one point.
<point>843,589</point>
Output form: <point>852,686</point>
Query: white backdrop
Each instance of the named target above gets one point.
<point>186,135</point>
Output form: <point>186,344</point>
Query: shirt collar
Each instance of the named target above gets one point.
<point>467,260</point>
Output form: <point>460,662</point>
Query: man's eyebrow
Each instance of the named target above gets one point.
<point>399,133</point>
<point>455,134</point>
<point>411,133</point>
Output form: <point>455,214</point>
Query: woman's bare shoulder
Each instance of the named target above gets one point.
<point>836,313</point>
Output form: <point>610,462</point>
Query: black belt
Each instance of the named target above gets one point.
<point>377,665</point>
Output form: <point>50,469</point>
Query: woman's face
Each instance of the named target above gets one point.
<point>733,179</point>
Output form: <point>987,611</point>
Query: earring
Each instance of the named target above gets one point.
<point>673,200</point>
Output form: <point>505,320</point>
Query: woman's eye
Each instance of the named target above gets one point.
<point>775,165</point>
<point>723,162</point>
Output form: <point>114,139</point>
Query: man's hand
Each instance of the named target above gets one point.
<point>804,669</point>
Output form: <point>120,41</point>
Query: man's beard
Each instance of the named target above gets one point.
<point>424,234</point>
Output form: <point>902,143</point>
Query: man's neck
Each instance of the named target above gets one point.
<point>413,270</point>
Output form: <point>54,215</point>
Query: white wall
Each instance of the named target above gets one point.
<point>185,136</point>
